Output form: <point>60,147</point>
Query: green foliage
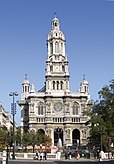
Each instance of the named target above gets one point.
<point>25,139</point>
<point>102,115</point>
<point>32,138</point>
<point>3,138</point>
<point>18,136</point>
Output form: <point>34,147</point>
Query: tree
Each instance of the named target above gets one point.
<point>3,138</point>
<point>102,115</point>
<point>25,140</point>
<point>47,140</point>
<point>39,138</point>
<point>18,136</point>
<point>32,138</point>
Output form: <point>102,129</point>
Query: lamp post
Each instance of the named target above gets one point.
<point>7,153</point>
<point>13,112</point>
<point>100,129</point>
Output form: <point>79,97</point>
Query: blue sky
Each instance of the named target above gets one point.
<point>88,26</point>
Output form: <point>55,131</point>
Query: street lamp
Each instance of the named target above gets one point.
<point>100,129</point>
<point>13,112</point>
<point>7,154</point>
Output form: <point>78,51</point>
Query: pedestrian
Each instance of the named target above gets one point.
<point>45,155</point>
<point>69,155</point>
<point>77,156</point>
<point>66,154</point>
<point>36,157</point>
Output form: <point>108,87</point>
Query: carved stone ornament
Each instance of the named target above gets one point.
<point>48,104</point>
<point>84,133</point>
<point>67,133</point>
<point>32,107</point>
<point>48,132</point>
<point>67,106</point>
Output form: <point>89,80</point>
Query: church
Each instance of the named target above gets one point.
<point>55,110</point>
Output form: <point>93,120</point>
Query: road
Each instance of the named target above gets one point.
<point>59,162</point>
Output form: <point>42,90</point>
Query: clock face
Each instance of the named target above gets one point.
<point>57,68</point>
<point>58,106</point>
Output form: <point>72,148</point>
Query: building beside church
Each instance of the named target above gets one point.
<point>6,121</point>
<point>55,110</point>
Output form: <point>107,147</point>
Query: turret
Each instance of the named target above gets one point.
<point>84,87</point>
<point>25,88</point>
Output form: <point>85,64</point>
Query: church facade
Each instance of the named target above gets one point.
<point>55,110</point>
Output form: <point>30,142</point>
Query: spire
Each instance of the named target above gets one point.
<point>55,23</point>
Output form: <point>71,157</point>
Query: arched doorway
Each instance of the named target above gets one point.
<point>75,137</point>
<point>41,131</point>
<point>58,134</point>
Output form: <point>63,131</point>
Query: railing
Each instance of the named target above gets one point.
<point>31,156</point>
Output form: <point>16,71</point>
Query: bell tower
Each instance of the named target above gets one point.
<point>57,74</point>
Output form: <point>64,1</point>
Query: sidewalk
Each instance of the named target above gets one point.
<point>85,159</point>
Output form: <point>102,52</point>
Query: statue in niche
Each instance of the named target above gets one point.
<point>67,107</point>
<point>48,110</point>
<point>83,109</point>
<point>48,132</point>
<point>84,133</point>
<point>32,107</point>
<point>68,133</point>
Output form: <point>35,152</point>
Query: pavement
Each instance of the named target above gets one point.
<point>61,161</point>
<point>73,160</point>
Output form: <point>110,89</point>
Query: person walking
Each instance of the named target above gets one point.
<point>77,156</point>
<point>69,154</point>
<point>36,157</point>
<point>45,155</point>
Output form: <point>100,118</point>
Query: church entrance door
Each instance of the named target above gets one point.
<point>76,137</point>
<point>58,136</point>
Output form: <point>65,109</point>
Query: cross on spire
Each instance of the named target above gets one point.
<point>84,77</point>
<point>55,13</point>
<point>26,76</point>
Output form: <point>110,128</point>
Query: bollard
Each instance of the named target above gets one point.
<point>4,157</point>
<point>58,155</point>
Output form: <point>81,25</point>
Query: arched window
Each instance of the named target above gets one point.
<point>25,88</point>
<point>28,88</point>
<point>75,109</point>
<point>57,85</point>
<point>63,68</point>
<point>53,84</point>
<point>66,84</point>
<point>61,48</point>
<point>56,47</point>
<point>51,48</point>
<point>51,68</point>
<point>40,109</point>
<point>61,85</point>
<point>86,88</point>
